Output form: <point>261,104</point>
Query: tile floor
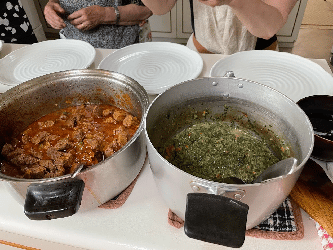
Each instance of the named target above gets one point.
<point>313,43</point>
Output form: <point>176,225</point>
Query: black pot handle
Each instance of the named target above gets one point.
<point>216,219</point>
<point>52,200</point>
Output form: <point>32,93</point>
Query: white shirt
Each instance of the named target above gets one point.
<point>219,30</point>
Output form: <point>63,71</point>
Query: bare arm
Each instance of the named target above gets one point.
<point>159,7</point>
<point>92,16</point>
<point>133,14</point>
<point>263,18</point>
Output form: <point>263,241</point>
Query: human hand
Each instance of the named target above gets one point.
<point>52,13</point>
<point>87,18</point>
<point>213,3</point>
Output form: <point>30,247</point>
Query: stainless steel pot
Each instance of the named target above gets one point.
<point>25,103</point>
<point>262,104</point>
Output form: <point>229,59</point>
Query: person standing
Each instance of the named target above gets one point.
<point>229,26</point>
<point>110,24</point>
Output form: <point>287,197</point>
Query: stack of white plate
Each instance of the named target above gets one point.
<point>43,58</point>
<point>292,75</point>
<point>155,65</point>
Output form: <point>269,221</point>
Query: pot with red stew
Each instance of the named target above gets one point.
<point>204,134</point>
<point>72,140</point>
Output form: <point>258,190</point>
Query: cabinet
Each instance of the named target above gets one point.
<point>31,11</point>
<point>289,32</point>
<point>175,26</point>
<point>49,31</point>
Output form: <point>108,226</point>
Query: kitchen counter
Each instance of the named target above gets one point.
<point>141,223</point>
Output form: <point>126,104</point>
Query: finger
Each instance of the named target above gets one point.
<point>75,15</point>
<point>56,22</point>
<point>51,13</point>
<point>59,9</point>
<point>82,26</point>
<point>78,21</point>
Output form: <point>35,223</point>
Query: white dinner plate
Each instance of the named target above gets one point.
<point>43,58</point>
<point>292,75</point>
<point>155,65</point>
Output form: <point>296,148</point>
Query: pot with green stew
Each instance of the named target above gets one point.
<point>209,138</point>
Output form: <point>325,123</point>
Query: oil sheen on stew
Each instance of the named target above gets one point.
<point>59,142</point>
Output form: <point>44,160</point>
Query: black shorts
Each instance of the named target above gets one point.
<point>263,43</point>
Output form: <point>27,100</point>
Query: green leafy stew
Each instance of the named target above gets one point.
<point>222,148</point>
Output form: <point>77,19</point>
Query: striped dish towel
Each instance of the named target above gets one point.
<point>326,239</point>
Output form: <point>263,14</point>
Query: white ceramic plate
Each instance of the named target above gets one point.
<point>43,58</point>
<point>155,65</point>
<point>292,75</point>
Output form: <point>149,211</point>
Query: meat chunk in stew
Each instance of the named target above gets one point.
<point>57,143</point>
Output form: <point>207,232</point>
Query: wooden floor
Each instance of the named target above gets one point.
<point>315,38</point>
<point>313,42</point>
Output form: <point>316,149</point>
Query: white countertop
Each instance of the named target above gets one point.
<point>141,223</point>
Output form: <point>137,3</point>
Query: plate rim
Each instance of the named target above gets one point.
<point>270,54</point>
<point>34,45</point>
<point>286,54</point>
<point>149,45</point>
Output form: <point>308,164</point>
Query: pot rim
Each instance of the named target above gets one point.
<point>213,183</point>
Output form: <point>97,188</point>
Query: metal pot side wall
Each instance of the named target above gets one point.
<point>263,198</point>
<point>27,102</point>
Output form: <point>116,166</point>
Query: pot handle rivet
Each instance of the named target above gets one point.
<point>229,74</point>
<point>196,188</point>
<point>214,83</point>
<point>238,197</point>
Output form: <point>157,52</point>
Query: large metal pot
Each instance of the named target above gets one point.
<point>25,103</point>
<point>262,104</point>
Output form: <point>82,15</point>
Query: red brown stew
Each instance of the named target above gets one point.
<point>59,142</point>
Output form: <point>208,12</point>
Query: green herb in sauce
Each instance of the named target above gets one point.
<point>217,150</point>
